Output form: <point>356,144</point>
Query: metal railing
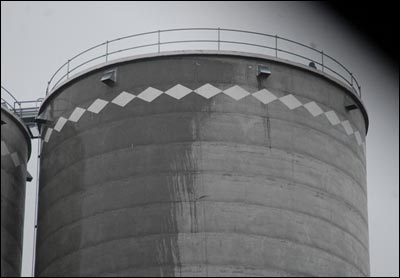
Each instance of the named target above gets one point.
<point>26,110</point>
<point>277,46</point>
<point>8,100</point>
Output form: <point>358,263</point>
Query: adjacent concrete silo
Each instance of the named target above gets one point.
<point>15,152</point>
<point>199,164</point>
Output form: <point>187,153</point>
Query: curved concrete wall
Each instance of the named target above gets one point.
<point>15,151</point>
<point>191,165</point>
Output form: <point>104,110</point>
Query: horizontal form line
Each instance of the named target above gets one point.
<point>11,180</point>
<point>214,234</point>
<point>18,242</point>
<point>12,265</point>
<point>203,201</point>
<point>247,269</point>
<point>111,122</point>
<point>15,204</point>
<point>351,177</point>
<point>111,182</point>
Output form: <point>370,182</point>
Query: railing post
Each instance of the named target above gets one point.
<point>351,80</point>
<point>159,40</point>
<point>68,68</point>
<point>19,111</point>
<point>106,51</point>
<point>322,60</point>
<point>359,90</point>
<point>276,46</point>
<point>219,38</point>
<point>47,89</point>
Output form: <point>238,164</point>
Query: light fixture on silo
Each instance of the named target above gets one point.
<point>263,71</point>
<point>312,65</point>
<point>109,77</point>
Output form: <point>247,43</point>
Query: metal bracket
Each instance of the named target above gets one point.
<point>351,107</point>
<point>29,177</point>
<point>40,120</point>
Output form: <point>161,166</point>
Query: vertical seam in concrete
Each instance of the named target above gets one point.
<point>268,128</point>
<point>201,162</point>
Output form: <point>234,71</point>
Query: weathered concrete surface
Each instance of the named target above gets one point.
<point>202,187</point>
<point>15,151</point>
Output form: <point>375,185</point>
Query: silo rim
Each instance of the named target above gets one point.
<point>22,127</point>
<point>128,59</point>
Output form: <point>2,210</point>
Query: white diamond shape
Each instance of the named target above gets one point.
<point>123,99</point>
<point>236,92</point>
<point>290,101</point>
<point>264,96</point>
<point>77,114</point>
<point>313,108</point>
<point>48,134</point>
<point>60,124</point>
<point>332,117</point>
<point>207,91</point>
<point>97,106</point>
<point>4,149</point>
<point>178,91</point>
<point>15,159</point>
<point>149,94</point>
<point>358,137</point>
<point>347,127</point>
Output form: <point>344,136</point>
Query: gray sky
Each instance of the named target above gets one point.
<point>37,37</point>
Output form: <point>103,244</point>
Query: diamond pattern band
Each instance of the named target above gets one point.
<point>13,155</point>
<point>208,91</point>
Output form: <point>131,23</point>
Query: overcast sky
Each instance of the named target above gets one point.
<point>37,37</point>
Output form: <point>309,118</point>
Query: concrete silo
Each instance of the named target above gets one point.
<point>15,152</point>
<point>203,164</point>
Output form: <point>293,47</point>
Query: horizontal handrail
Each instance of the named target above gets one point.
<point>131,48</point>
<point>335,68</point>
<point>19,107</point>
<point>7,98</point>
<point>8,93</point>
